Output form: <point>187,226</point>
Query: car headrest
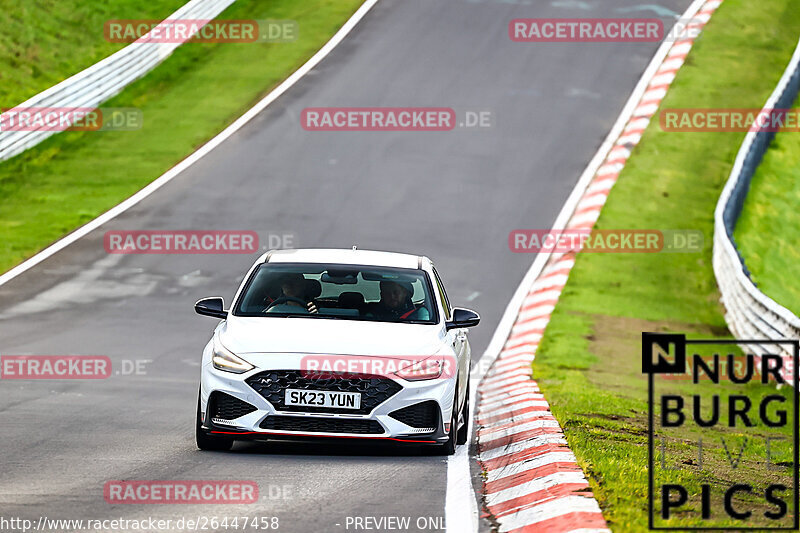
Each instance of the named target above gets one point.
<point>313,288</point>
<point>408,287</point>
<point>351,300</point>
<point>405,284</point>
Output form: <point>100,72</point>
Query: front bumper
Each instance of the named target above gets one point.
<point>262,415</point>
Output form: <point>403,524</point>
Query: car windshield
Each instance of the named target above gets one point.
<point>350,292</point>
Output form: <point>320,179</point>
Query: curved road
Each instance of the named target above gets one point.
<point>453,196</point>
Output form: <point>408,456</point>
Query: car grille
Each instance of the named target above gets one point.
<point>374,389</point>
<point>421,415</point>
<point>226,407</point>
<point>309,424</point>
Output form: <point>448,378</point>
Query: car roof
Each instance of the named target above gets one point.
<point>345,256</point>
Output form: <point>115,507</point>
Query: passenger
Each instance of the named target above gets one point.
<point>395,302</point>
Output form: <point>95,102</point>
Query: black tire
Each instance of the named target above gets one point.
<point>208,442</point>
<point>463,435</point>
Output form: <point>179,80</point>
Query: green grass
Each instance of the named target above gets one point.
<point>589,361</point>
<point>74,176</point>
<point>768,231</point>
<point>46,41</point>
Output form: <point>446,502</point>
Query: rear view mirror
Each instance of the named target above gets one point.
<point>340,277</point>
<point>463,318</point>
<point>214,306</point>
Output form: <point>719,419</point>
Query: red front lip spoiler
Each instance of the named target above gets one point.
<point>298,434</point>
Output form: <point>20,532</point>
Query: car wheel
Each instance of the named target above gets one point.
<point>463,435</point>
<point>209,442</point>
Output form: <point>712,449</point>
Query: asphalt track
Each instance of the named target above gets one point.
<point>453,196</point>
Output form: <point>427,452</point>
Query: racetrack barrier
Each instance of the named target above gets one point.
<point>106,78</point>
<point>751,314</point>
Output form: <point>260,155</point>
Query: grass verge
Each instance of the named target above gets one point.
<point>589,361</point>
<point>768,231</point>
<point>46,41</point>
<point>75,176</point>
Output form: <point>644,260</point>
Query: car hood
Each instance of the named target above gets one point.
<point>243,335</point>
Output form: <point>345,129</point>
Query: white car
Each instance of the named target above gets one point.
<point>336,344</point>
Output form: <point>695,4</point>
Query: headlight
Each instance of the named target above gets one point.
<point>430,368</point>
<point>224,359</point>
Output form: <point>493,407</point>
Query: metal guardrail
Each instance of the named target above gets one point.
<point>106,78</point>
<point>751,314</point>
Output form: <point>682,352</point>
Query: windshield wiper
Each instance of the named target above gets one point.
<point>303,315</point>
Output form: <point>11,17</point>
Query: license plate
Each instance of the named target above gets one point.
<point>323,398</point>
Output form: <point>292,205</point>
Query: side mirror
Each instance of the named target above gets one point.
<point>211,307</point>
<point>462,318</point>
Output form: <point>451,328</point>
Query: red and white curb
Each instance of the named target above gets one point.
<point>532,481</point>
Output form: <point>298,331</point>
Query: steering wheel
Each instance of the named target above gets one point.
<point>284,299</point>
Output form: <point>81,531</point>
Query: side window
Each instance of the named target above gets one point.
<point>442,295</point>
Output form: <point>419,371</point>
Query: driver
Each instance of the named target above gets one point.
<point>395,302</point>
<point>293,289</point>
